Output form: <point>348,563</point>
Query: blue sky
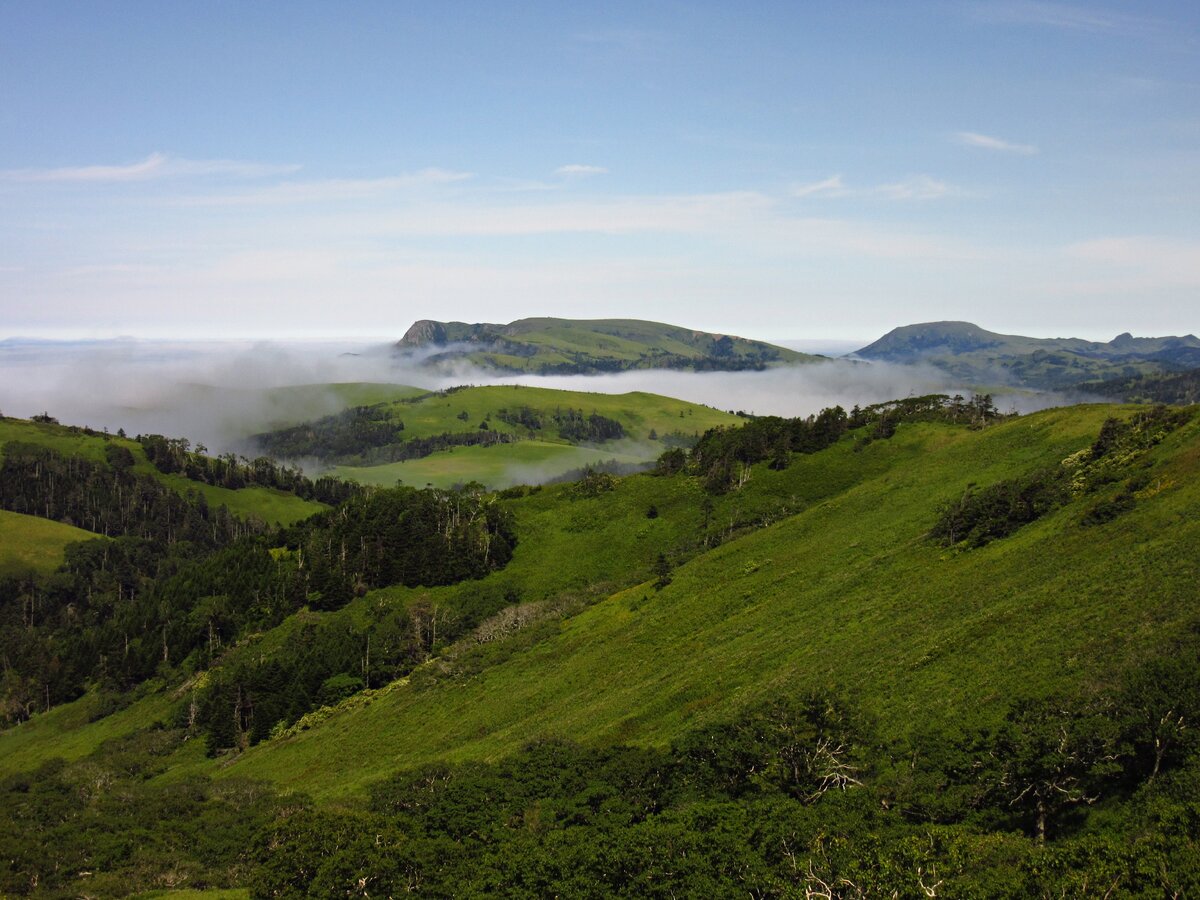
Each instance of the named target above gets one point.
<point>781,170</point>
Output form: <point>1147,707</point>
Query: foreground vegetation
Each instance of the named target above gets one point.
<point>910,648</point>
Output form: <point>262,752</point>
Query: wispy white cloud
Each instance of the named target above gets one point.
<point>329,190</point>
<point>579,170</point>
<point>915,187</point>
<point>988,142</point>
<point>832,186</point>
<point>154,166</point>
<point>1062,15</point>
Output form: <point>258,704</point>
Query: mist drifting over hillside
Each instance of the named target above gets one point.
<point>218,393</point>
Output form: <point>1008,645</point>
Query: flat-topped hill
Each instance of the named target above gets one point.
<point>576,346</point>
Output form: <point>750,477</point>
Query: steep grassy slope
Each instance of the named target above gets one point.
<point>270,505</point>
<point>982,357</point>
<point>588,345</point>
<point>569,550</point>
<point>847,592</point>
<point>30,544</point>
<point>820,576</point>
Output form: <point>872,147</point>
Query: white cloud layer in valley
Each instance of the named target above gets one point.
<point>218,393</point>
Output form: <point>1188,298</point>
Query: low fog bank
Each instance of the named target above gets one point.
<point>219,393</point>
<point>789,390</point>
<point>215,393</point>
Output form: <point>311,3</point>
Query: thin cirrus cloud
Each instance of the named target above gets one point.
<point>918,187</point>
<point>915,187</point>
<point>988,142</point>
<point>833,186</point>
<point>154,166</point>
<point>579,170</point>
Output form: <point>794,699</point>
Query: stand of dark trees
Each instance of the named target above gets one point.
<point>110,498</point>
<point>345,433</point>
<point>175,455</point>
<point>365,436</point>
<point>572,424</point>
<point>418,448</point>
<point>722,454</point>
<point>119,611</point>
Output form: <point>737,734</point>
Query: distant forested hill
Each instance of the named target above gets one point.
<point>1179,388</point>
<point>577,346</point>
<point>976,356</point>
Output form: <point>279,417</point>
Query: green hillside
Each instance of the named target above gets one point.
<point>533,433</point>
<point>575,346</point>
<point>497,466</point>
<point>846,592</point>
<point>639,617</point>
<point>269,504</point>
<point>986,358</point>
<point>30,544</point>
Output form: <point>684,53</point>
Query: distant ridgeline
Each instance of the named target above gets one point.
<point>975,356</point>
<point>582,346</point>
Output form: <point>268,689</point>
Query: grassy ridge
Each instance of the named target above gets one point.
<point>846,592</point>
<point>270,505</point>
<point>639,411</point>
<point>547,454</point>
<point>30,544</point>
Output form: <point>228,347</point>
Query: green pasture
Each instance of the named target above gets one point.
<point>30,544</point>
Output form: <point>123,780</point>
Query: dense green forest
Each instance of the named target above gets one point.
<point>179,580</point>
<point>394,637</point>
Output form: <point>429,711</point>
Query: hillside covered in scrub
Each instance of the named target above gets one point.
<point>921,646</point>
<point>549,346</point>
